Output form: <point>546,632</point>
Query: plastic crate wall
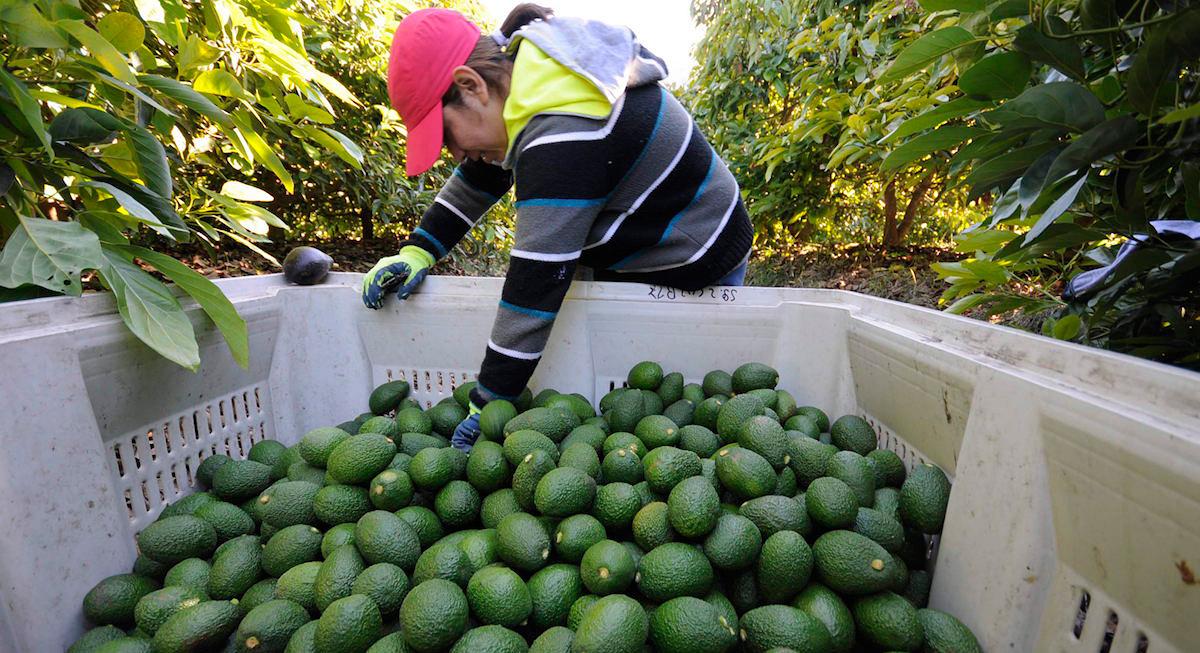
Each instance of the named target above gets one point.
<point>1076,472</point>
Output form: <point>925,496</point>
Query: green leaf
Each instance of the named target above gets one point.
<point>1005,168</point>
<point>123,30</point>
<point>136,209</point>
<point>925,50</point>
<point>962,6</point>
<point>1067,327</point>
<point>989,271</point>
<point>150,311</point>
<point>1108,138</point>
<point>254,219</point>
<point>1058,105</point>
<point>1154,63</point>
<point>134,91</point>
<point>109,57</point>
<point>966,303</point>
<point>1056,209</point>
<point>997,77</point>
<point>84,126</point>
<point>982,240</point>
<point>27,28</point>
<point>1191,184</point>
<point>27,107</point>
<point>955,108</point>
<point>210,298</point>
<point>188,97</point>
<point>338,143</point>
<point>218,82</point>
<point>1008,9</point>
<point>245,192</point>
<point>1061,54</point>
<point>299,109</point>
<point>262,151</point>
<point>1034,179</point>
<point>1179,115</point>
<point>942,138</point>
<point>151,160</point>
<point>49,254</point>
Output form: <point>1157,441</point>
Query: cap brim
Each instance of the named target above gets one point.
<point>424,143</point>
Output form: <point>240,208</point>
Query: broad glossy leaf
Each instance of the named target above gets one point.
<point>997,77</point>
<point>109,57</point>
<point>28,28</point>
<point>962,6</point>
<point>1191,185</point>
<point>49,254</point>
<point>1061,54</point>
<point>123,30</point>
<point>982,240</point>
<point>134,91</point>
<point>136,209</point>
<point>925,50</point>
<point>942,138</point>
<point>210,298</point>
<point>245,192</point>
<point>150,311</point>
<point>218,82</point>
<point>955,108</point>
<point>262,151</point>
<point>1034,179</point>
<point>26,106</point>
<point>1105,139</point>
<point>187,96</point>
<point>85,126</point>
<point>1179,115</point>
<point>1153,64</point>
<point>1067,327</point>
<point>1008,9</point>
<point>1057,105</point>
<point>151,160</point>
<point>339,144</point>
<point>989,271</point>
<point>1056,209</point>
<point>1005,168</point>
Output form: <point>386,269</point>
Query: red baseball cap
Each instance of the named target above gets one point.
<point>426,48</point>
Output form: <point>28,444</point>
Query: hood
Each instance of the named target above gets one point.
<point>608,56</point>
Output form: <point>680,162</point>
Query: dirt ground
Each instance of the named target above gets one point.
<point>901,274</point>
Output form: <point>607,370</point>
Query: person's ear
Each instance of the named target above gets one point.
<point>471,84</point>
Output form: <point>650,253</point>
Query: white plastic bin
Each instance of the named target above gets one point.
<point>1076,471</point>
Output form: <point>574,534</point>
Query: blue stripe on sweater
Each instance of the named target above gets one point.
<point>662,107</point>
<point>532,312</point>
<point>434,241</point>
<point>495,395</point>
<point>712,165</point>
<point>572,203</point>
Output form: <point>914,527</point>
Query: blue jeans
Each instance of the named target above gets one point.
<point>735,278</point>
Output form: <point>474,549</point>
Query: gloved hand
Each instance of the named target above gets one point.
<point>400,274</point>
<point>467,431</point>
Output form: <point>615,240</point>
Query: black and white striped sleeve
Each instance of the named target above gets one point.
<point>560,188</point>
<point>472,190</point>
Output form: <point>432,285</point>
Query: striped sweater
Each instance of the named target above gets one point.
<point>637,196</point>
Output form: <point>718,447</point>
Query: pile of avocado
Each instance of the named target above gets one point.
<point>692,518</point>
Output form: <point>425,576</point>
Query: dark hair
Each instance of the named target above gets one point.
<point>492,63</point>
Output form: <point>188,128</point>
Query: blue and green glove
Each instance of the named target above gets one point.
<point>399,274</point>
<point>467,431</point>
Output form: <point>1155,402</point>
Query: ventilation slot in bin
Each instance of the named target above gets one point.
<point>428,386</point>
<point>156,465</point>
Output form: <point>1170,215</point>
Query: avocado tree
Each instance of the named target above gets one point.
<point>121,130</point>
<point>789,93</point>
<point>1080,124</point>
